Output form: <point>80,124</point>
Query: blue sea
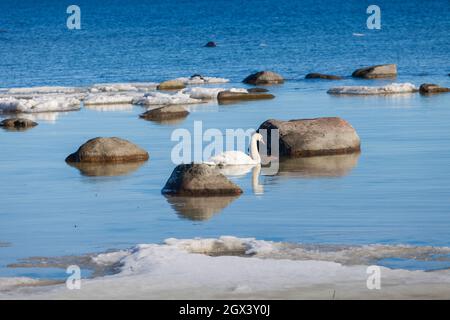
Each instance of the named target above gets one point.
<point>397,191</point>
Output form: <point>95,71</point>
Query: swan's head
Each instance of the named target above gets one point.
<point>258,137</point>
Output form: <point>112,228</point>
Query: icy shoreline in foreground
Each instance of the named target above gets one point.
<point>230,267</point>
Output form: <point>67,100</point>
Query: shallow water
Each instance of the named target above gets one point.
<point>395,192</point>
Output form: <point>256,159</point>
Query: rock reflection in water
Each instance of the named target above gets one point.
<point>106,169</point>
<point>199,208</point>
<point>324,166</point>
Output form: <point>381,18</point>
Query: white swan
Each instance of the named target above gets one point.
<point>238,158</point>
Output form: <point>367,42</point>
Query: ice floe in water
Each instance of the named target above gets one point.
<point>392,88</point>
<point>44,103</point>
<point>209,93</point>
<point>218,268</point>
<point>104,99</point>
<point>197,79</point>
<point>158,98</point>
<point>40,90</point>
<point>117,87</point>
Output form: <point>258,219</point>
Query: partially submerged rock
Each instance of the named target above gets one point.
<point>378,71</point>
<point>17,123</point>
<point>171,85</point>
<point>233,96</point>
<point>211,44</point>
<point>322,76</point>
<point>165,113</point>
<point>257,90</point>
<point>313,137</point>
<point>199,180</point>
<point>429,88</point>
<point>113,150</point>
<point>264,77</point>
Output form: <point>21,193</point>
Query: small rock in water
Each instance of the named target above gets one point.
<point>313,137</point>
<point>264,77</point>
<point>429,88</point>
<point>171,85</point>
<point>211,44</point>
<point>104,150</point>
<point>199,180</point>
<point>378,71</point>
<point>234,96</point>
<point>322,76</point>
<point>17,123</point>
<point>165,113</point>
<point>257,90</point>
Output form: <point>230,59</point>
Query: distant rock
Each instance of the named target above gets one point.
<point>313,137</point>
<point>378,71</point>
<point>113,150</point>
<point>429,88</point>
<point>264,77</point>
<point>322,76</point>
<point>171,85</point>
<point>17,123</point>
<point>211,44</point>
<point>165,113</point>
<point>237,96</point>
<point>257,90</point>
<point>199,180</point>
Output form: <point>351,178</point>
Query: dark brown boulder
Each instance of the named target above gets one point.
<point>199,180</point>
<point>165,113</point>
<point>210,44</point>
<point>429,88</point>
<point>322,76</point>
<point>112,150</point>
<point>237,96</point>
<point>264,77</point>
<point>313,137</point>
<point>257,90</point>
<point>17,123</point>
<point>378,71</point>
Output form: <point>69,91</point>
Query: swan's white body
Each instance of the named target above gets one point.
<point>239,158</point>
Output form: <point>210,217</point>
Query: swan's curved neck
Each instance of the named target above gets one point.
<point>254,154</point>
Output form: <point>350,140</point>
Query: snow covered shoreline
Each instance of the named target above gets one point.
<point>230,267</point>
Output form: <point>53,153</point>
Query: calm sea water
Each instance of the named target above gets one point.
<point>397,191</point>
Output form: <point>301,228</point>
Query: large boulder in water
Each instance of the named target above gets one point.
<point>17,124</point>
<point>108,150</point>
<point>199,180</point>
<point>171,85</point>
<point>378,71</point>
<point>264,77</point>
<point>322,76</point>
<point>313,137</point>
<point>429,88</point>
<point>165,113</point>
